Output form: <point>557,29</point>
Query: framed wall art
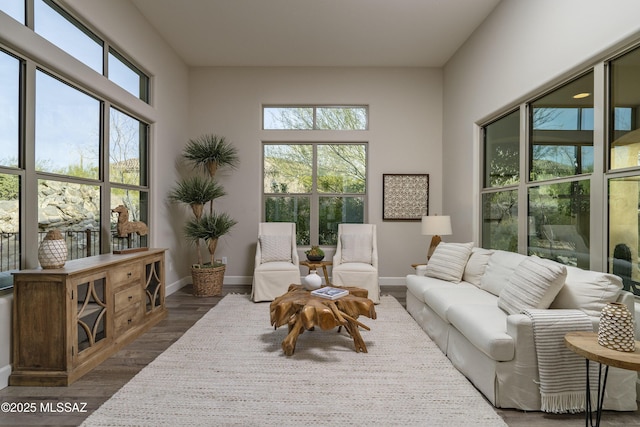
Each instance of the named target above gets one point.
<point>405,197</point>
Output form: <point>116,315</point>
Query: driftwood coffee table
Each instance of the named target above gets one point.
<point>302,311</point>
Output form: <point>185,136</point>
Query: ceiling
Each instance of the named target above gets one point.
<point>343,33</point>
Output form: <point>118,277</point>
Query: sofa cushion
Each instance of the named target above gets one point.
<point>274,247</point>
<point>441,298</point>
<point>588,291</point>
<point>499,269</point>
<point>448,261</point>
<point>418,284</point>
<point>476,265</point>
<point>356,248</point>
<point>534,284</point>
<point>485,326</point>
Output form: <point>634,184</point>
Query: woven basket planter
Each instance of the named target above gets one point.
<point>616,329</point>
<point>207,281</point>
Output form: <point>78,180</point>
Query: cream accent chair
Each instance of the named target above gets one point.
<point>276,261</point>
<point>355,262</point>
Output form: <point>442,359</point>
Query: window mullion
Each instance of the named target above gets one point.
<point>314,224</point>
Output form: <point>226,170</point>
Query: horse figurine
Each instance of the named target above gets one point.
<point>126,227</point>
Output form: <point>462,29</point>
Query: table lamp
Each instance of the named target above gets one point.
<point>436,226</point>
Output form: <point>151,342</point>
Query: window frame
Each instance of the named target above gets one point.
<point>30,64</point>
<point>314,108</point>
<point>315,195</point>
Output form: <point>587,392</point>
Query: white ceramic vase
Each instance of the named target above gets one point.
<point>616,328</point>
<point>52,252</point>
<point>312,281</point>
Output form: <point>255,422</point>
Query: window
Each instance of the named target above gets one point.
<point>128,141</point>
<point>560,153</point>
<point>315,117</point>
<point>60,28</point>
<point>86,156</point>
<point>558,222</point>
<point>13,8</point>
<point>500,220</point>
<point>317,186</point>
<point>127,149</point>
<point>10,107</point>
<point>67,129</point>
<point>10,175</point>
<point>561,131</point>
<point>624,133</point>
<point>73,209</point>
<point>624,170</point>
<point>128,76</point>
<point>137,203</point>
<point>502,151</point>
<point>57,26</point>
<point>10,228</point>
<point>501,142</point>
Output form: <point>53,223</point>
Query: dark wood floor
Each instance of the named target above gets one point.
<point>184,310</point>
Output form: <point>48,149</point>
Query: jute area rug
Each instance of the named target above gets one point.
<point>229,370</point>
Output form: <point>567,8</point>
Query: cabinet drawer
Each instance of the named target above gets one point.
<point>126,319</point>
<point>125,273</point>
<point>127,298</point>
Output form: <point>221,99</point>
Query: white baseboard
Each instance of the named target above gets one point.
<point>176,286</point>
<point>5,371</point>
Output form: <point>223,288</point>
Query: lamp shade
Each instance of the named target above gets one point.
<point>436,225</point>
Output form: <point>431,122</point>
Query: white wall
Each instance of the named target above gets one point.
<point>404,137</point>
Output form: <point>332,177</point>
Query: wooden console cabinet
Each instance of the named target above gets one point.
<point>67,321</point>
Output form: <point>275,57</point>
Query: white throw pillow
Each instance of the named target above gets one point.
<point>534,284</point>
<point>499,270</point>
<point>275,247</point>
<point>588,291</point>
<point>476,265</point>
<point>448,261</point>
<point>356,248</point>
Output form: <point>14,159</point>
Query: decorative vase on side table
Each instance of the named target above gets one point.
<point>52,252</point>
<point>616,330</point>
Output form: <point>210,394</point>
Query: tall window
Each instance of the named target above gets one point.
<point>10,108</point>
<point>624,169</point>
<point>10,174</point>
<point>501,142</point>
<point>127,170</point>
<point>557,181</point>
<point>317,186</point>
<point>561,147</point>
<point>85,157</point>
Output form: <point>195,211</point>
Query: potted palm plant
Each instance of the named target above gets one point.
<point>208,153</point>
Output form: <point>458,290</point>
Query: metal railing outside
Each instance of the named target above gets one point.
<point>80,244</point>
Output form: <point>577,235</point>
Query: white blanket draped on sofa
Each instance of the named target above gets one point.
<point>562,372</point>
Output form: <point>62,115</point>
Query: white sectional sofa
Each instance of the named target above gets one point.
<point>496,350</point>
